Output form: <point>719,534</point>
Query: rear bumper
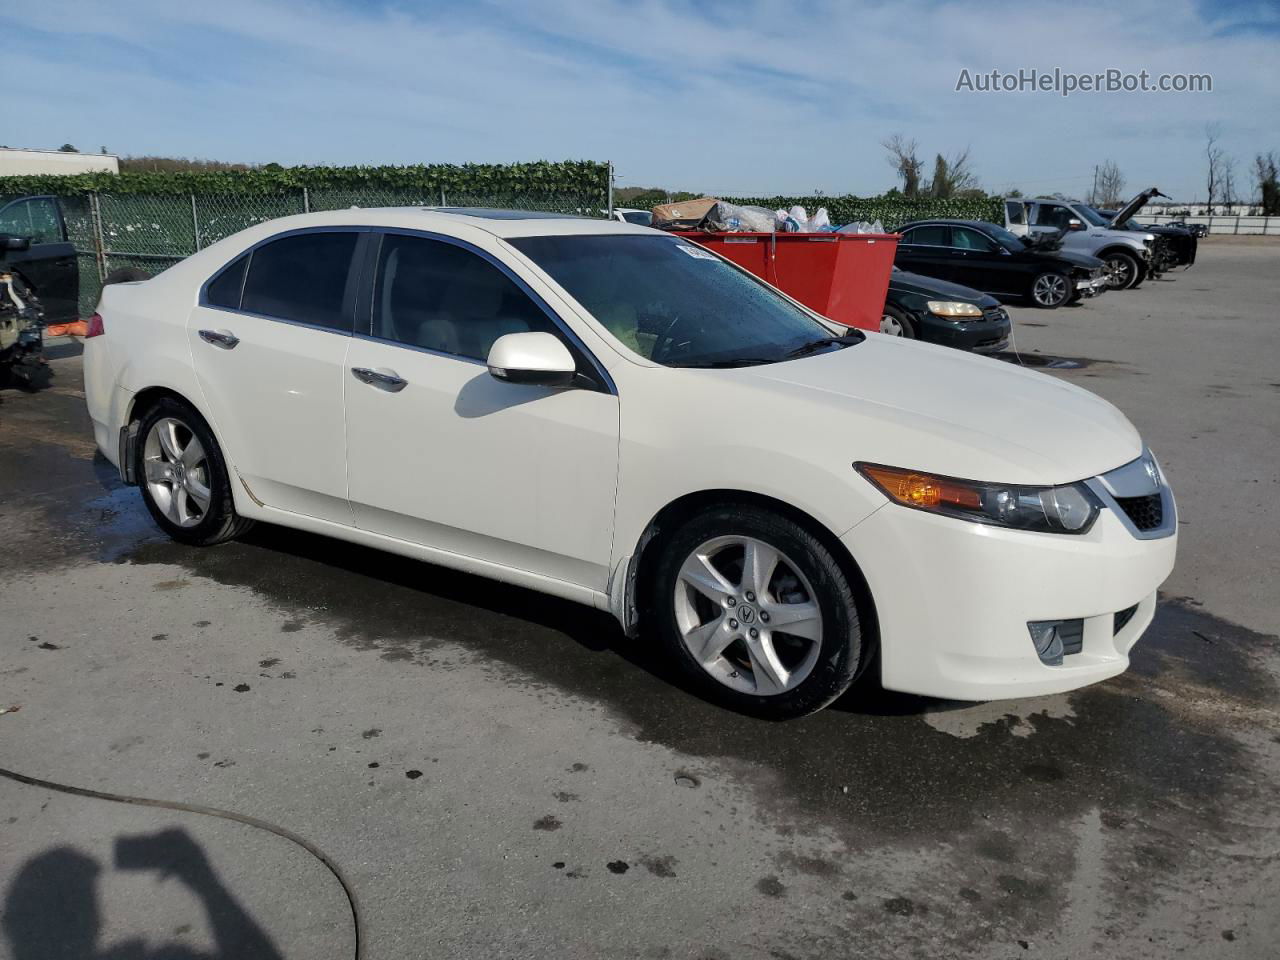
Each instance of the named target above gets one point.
<point>953,600</point>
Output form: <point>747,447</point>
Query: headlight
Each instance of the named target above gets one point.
<point>953,308</point>
<point>1070,508</point>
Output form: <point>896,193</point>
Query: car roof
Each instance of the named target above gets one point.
<point>978,224</point>
<point>499,223</point>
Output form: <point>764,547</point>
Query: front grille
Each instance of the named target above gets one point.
<point>994,313</point>
<point>1122,618</point>
<point>1147,512</point>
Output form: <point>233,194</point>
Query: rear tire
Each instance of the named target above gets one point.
<point>729,584</point>
<point>185,481</point>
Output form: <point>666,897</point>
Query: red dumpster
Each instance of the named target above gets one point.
<point>843,276</point>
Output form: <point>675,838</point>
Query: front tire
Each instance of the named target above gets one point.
<point>1123,271</point>
<point>1050,290</point>
<point>757,613</point>
<point>184,477</point>
<point>896,323</point>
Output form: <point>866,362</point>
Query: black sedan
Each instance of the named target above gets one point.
<point>989,258</point>
<point>936,311</point>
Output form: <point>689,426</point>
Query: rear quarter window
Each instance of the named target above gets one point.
<point>224,289</point>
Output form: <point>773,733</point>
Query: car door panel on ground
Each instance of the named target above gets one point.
<point>269,341</point>
<point>49,263</point>
<point>455,459</point>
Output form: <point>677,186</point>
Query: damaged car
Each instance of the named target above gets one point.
<point>21,324</point>
<point>1175,245</point>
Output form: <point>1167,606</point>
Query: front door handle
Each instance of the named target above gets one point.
<point>382,379</point>
<point>220,338</point>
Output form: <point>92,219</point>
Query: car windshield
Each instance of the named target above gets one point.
<point>1093,216</point>
<point>1009,241</point>
<point>675,303</point>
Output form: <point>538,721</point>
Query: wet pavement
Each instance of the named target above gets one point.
<point>502,773</point>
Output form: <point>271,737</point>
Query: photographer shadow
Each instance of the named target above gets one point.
<point>51,910</point>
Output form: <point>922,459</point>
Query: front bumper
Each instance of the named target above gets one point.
<point>953,600</point>
<point>1087,287</point>
<point>987,335</point>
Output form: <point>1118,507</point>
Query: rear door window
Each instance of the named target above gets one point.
<point>305,278</point>
<point>1015,211</point>
<point>934,235</point>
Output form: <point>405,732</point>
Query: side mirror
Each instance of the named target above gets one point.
<point>539,359</point>
<point>1074,224</point>
<point>10,242</point>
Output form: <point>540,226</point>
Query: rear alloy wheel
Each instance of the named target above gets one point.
<point>1122,271</point>
<point>895,323</point>
<point>184,478</point>
<point>758,613</point>
<point>1050,290</point>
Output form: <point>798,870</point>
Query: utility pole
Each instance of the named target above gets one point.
<point>1093,197</point>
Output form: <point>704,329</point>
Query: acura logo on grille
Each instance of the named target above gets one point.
<point>1152,472</point>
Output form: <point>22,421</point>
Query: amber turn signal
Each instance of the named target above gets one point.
<point>921,489</point>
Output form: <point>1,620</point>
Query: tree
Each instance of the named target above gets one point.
<point>1227,181</point>
<point>1213,158</point>
<point>1108,186</point>
<point>902,157</point>
<point>1266,176</point>
<point>952,176</point>
<point>67,148</point>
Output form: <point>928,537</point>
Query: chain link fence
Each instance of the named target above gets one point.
<point>154,231</point>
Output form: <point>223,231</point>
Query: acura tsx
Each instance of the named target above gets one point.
<point>619,417</point>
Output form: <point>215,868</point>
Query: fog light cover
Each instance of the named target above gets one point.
<point>1047,640</point>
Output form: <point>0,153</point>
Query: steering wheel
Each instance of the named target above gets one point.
<point>666,341</point>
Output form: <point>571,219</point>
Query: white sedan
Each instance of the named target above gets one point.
<point>621,418</point>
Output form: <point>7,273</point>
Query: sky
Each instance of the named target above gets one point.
<point>730,97</point>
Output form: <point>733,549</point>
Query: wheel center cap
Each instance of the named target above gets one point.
<point>746,614</point>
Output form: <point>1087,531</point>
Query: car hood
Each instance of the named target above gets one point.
<point>904,281</point>
<point>1076,259</point>
<point>925,407</point>
<point>1137,203</point>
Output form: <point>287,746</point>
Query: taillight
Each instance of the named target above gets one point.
<point>96,329</point>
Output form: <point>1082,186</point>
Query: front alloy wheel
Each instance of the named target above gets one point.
<point>748,615</point>
<point>1122,271</point>
<point>756,611</point>
<point>1050,290</point>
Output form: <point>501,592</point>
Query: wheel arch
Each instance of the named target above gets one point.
<point>142,401</point>
<point>642,564</point>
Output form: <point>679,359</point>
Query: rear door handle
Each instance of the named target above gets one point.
<point>220,338</point>
<point>383,379</point>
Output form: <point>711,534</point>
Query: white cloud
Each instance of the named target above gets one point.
<point>747,97</point>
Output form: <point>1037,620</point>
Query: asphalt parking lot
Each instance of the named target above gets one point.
<point>502,774</point>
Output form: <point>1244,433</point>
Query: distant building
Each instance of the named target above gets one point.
<point>24,163</point>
